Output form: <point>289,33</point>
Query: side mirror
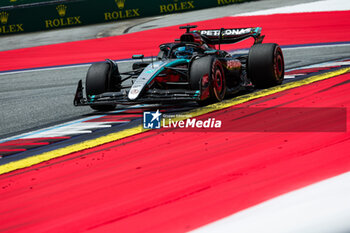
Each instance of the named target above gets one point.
<point>138,56</point>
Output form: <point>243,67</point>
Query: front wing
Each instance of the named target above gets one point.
<point>150,96</point>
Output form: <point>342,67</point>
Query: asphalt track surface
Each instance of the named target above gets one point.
<point>34,99</point>
<point>40,98</point>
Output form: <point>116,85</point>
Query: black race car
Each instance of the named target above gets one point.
<point>189,69</point>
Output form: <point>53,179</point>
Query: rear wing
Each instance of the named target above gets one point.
<point>229,36</point>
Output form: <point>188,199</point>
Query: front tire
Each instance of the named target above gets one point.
<point>265,65</point>
<point>97,82</point>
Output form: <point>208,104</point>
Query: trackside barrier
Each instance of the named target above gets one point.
<point>39,15</point>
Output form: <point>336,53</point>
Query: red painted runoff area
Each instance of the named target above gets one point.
<point>168,180</point>
<point>284,29</point>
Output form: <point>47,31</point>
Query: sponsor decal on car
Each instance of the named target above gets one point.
<point>135,91</point>
<point>227,32</point>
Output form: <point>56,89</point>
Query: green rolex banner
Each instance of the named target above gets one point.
<point>9,23</point>
<point>57,14</point>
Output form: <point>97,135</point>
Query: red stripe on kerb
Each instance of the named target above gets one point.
<point>20,145</point>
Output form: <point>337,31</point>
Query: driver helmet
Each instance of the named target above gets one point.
<point>184,52</point>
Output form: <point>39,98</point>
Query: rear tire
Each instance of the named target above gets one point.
<point>212,68</point>
<point>97,83</point>
<point>265,65</point>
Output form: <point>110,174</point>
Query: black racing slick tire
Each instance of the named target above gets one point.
<point>211,68</point>
<point>97,82</point>
<point>265,65</point>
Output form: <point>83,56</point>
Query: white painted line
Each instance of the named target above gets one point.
<point>323,207</point>
<point>328,64</point>
<point>58,134</point>
<point>316,46</point>
<point>36,133</point>
<point>287,76</point>
<point>320,65</point>
<point>318,6</point>
<point>86,125</point>
<point>73,127</point>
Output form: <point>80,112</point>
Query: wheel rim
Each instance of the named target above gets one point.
<point>278,66</point>
<point>218,82</point>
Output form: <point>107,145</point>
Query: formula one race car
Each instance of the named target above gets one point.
<point>189,69</point>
